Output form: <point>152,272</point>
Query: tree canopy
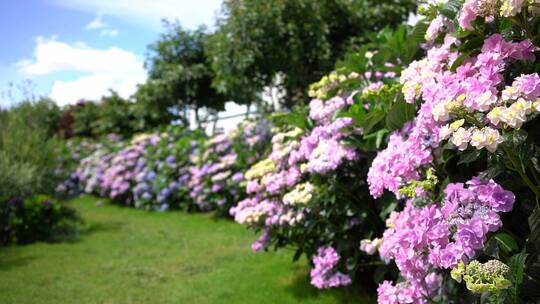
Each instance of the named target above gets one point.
<point>290,43</point>
<point>177,66</point>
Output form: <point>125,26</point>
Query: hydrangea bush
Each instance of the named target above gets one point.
<point>311,192</point>
<point>162,181</point>
<point>466,159</point>
<point>217,173</point>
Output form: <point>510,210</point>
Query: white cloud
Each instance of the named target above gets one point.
<point>108,33</point>
<point>105,69</point>
<point>150,13</point>
<point>99,24</point>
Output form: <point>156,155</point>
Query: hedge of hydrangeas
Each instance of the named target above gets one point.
<point>176,168</point>
<point>415,168</point>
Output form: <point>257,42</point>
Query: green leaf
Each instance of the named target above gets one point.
<point>418,33</point>
<point>506,242</point>
<point>534,224</point>
<point>400,113</point>
<point>469,156</point>
<point>472,44</point>
<point>491,248</point>
<point>517,265</point>
<point>459,61</point>
<point>451,8</point>
<point>297,255</point>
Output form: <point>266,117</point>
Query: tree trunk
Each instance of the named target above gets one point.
<point>197,119</point>
<point>214,125</point>
<point>248,107</point>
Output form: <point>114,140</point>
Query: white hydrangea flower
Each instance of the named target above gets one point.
<point>301,194</point>
<point>495,116</point>
<point>445,132</point>
<point>440,112</point>
<point>510,8</point>
<point>461,138</point>
<point>478,139</point>
<point>488,138</point>
<point>485,101</point>
<point>492,139</point>
<point>515,115</point>
<point>510,93</point>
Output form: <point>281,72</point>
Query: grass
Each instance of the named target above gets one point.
<point>131,256</point>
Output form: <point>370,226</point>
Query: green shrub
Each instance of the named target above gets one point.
<point>28,150</point>
<point>36,218</point>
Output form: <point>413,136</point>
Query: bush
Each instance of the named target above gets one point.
<point>161,183</point>
<point>217,175</point>
<point>36,218</point>
<point>28,153</point>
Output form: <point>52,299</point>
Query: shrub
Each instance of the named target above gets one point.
<point>28,153</point>
<point>36,218</point>
<point>161,183</point>
<point>217,176</point>
<point>465,167</point>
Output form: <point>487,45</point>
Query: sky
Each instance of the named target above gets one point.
<point>79,49</point>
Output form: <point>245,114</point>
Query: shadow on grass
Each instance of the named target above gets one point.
<point>9,262</point>
<point>301,289</point>
<point>96,227</point>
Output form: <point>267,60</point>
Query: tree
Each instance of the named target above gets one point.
<point>178,67</point>
<point>85,114</point>
<point>114,116</point>
<point>154,105</point>
<point>290,43</point>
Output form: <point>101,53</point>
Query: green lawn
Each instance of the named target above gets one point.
<point>131,256</point>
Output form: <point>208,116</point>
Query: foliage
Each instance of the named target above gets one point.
<point>27,151</point>
<point>178,66</point>
<point>35,218</point>
<point>290,43</point>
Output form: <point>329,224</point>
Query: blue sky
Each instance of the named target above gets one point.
<point>72,49</point>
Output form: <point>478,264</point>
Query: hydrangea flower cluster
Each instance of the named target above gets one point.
<point>119,178</point>
<point>267,181</point>
<point>488,8</point>
<point>491,276</point>
<point>471,89</point>
<point>324,274</point>
<point>217,175</point>
<point>274,182</point>
<point>480,109</point>
<point>281,190</point>
<point>424,240</point>
<point>75,151</point>
<point>162,182</point>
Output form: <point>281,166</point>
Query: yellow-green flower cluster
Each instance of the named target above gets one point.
<point>491,276</point>
<point>300,195</point>
<point>329,82</point>
<point>260,169</point>
<point>426,185</point>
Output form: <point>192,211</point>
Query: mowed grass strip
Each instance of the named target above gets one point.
<point>132,256</point>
